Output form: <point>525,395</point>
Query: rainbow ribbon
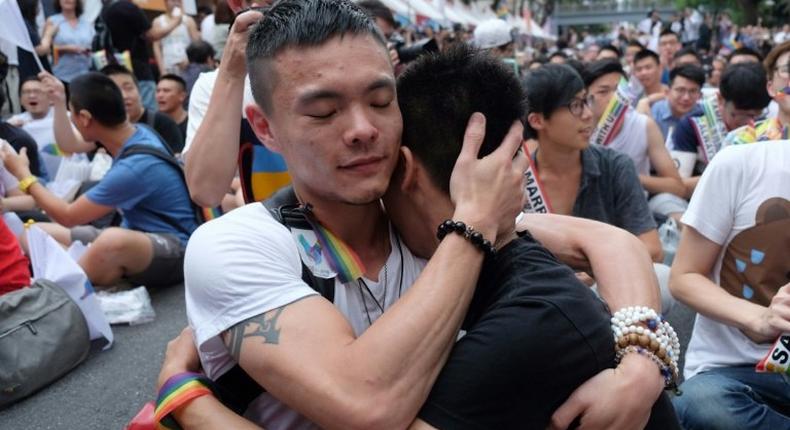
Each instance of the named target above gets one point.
<point>769,129</point>
<point>340,257</point>
<point>613,115</point>
<point>211,213</point>
<point>176,392</point>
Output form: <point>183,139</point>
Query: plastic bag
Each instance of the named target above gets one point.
<point>99,166</point>
<point>669,233</point>
<point>127,307</point>
<point>75,167</point>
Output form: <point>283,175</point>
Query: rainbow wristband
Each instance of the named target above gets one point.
<point>177,391</point>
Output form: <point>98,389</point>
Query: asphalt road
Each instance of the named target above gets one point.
<point>111,386</point>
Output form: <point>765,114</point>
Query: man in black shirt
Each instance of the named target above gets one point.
<point>132,31</point>
<point>534,332</point>
<point>167,128</point>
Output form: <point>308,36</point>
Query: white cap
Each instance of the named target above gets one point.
<point>492,33</point>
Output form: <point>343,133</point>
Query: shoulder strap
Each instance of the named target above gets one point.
<point>236,387</point>
<point>171,160</point>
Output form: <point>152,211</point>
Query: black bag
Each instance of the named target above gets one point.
<point>43,335</point>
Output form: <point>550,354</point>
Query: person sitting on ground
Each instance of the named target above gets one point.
<point>647,70</point>
<point>171,93</point>
<point>732,268</point>
<point>685,89</point>
<point>159,122</point>
<point>774,127</point>
<point>158,217</point>
<point>740,100</point>
<point>576,178</point>
<point>635,135</point>
<point>355,111</point>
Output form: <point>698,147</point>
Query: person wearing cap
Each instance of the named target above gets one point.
<point>494,36</point>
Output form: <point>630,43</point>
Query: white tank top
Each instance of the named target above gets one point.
<point>631,140</point>
<point>174,45</point>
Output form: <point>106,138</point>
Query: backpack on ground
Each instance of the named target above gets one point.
<point>43,335</point>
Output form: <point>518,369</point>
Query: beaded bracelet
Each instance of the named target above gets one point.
<point>669,373</point>
<point>474,236</point>
<point>177,391</point>
<point>643,328</point>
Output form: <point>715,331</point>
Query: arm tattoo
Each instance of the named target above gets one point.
<point>262,326</point>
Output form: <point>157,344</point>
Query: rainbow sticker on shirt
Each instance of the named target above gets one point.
<point>613,115</point>
<point>340,257</point>
<point>769,129</point>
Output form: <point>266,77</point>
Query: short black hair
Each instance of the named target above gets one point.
<point>77,7</point>
<point>691,72</point>
<point>687,51</point>
<point>744,85</point>
<point>599,68</point>
<point>199,52</point>
<point>98,94</point>
<point>668,32</point>
<point>117,69</point>
<point>438,94</point>
<point>172,77</point>
<point>377,9</point>
<point>646,53</point>
<point>302,23</point>
<point>745,50</point>
<point>25,80</point>
<point>560,54</point>
<point>610,47</point>
<point>548,89</point>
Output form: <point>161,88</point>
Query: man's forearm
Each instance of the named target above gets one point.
<point>702,295</point>
<point>211,160</point>
<point>56,209</point>
<point>207,413</point>
<point>657,184</point>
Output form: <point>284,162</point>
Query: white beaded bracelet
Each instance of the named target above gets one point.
<point>641,329</point>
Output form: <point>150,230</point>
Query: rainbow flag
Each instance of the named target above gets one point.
<point>340,257</point>
<point>769,129</point>
<point>53,149</point>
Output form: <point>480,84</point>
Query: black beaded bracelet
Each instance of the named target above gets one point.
<point>474,236</point>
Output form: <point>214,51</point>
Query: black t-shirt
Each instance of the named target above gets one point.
<point>19,139</point>
<point>167,128</point>
<point>182,126</point>
<point>128,25</point>
<point>534,335</point>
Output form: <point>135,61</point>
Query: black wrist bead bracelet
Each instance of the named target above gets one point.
<point>474,236</point>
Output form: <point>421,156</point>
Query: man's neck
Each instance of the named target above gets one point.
<point>39,115</point>
<point>556,159</point>
<point>655,88</point>
<point>114,138</point>
<point>784,117</point>
<point>136,115</point>
<point>674,112</point>
<point>178,115</point>
<point>364,228</point>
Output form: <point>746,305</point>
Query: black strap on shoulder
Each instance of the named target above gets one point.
<point>167,157</point>
<point>236,388</point>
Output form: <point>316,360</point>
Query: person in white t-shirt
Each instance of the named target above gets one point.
<point>341,364</point>
<point>171,51</point>
<point>731,267</point>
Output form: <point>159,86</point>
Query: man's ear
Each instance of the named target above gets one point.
<point>261,127</point>
<point>84,117</point>
<point>536,121</point>
<point>407,169</point>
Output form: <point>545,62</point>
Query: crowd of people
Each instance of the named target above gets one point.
<point>382,226</point>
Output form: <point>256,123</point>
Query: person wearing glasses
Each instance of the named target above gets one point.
<point>633,134</point>
<point>685,89</point>
<point>739,102</point>
<point>575,177</point>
